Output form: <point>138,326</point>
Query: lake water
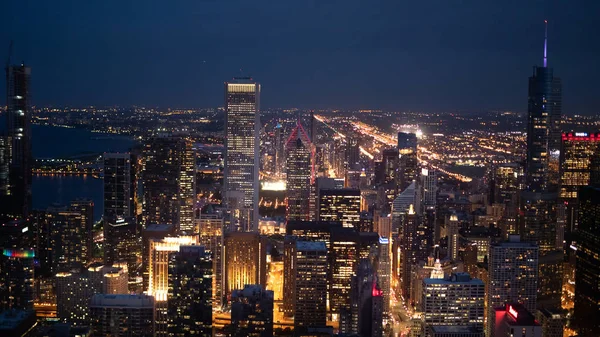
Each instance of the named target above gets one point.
<point>56,142</point>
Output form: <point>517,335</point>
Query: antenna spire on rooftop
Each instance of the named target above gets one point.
<point>545,43</point>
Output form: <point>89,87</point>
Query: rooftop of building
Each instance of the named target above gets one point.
<point>122,301</point>
<point>158,227</point>
<point>455,278</point>
<point>517,315</point>
<point>311,245</point>
<point>10,319</point>
<point>453,329</point>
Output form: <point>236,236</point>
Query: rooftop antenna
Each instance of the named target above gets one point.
<point>545,43</point>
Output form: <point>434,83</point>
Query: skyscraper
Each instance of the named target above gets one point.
<point>123,315</point>
<point>298,168</point>
<point>587,270</point>
<point>244,257</point>
<point>16,279</point>
<point>17,201</point>
<point>367,301</point>
<point>210,227</point>
<point>340,205</point>
<point>190,292</point>
<point>252,311</point>
<point>242,125</point>
<point>69,233</point>
<point>384,268</point>
<point>343,259</point>
<point>123,243</point>
<point>457,300</point>
<point>309,284</point>
<point>279,150</point>
<point>513,275</point>
<point>452,227</point>
<point>119,185</point>
<point>159,286</point>
<point>169,182</point>
<point>576,156</point>
<point>543,127</point>
<point>409,164</point>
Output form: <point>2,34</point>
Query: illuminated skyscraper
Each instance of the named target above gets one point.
<point>298,168</point>
<point>242,125</point>
<point>210,226</point>
<point>343,258</point>
<point>543,127</point>
<point>513,319</point>
<point>513,275</point>
<point>340,205</point>
<point>70,236</point>
<point>17,201</point>
<point>309,283</point>
<point>352,154</point>
<point>16,279</point>
<point>279,150</point>
<point>384,268</point>
<point>587,270</point>
<point>505,189</point>
<point>159,286</point>
<point>169,182</point>
<point>190,292</point>
<point>576,155</point>
<point>409,246</point>
<point>452,227</point>
<point>119,185</point>
<point>408,165</point>
<point>244,257</point>
<point>454,301</point>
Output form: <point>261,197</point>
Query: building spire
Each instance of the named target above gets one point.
<point>545,43</point>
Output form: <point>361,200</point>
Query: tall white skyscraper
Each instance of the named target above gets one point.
<point>455,301</point>
<point>242,124</point>
<point>513,275</point>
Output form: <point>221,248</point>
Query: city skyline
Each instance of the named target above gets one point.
<point>385,62</point>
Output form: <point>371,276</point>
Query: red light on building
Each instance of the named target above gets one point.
<point>376,292</point>
<point>512,312</point>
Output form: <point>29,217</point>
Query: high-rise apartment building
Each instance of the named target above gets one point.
<point>513,275</point>
<point>587,270</point>
<point>340,205</point>
<point>309,283</point>
<point>190,293</point>
<point>298,177</point>
<point>68,230</point>
<point>169,182</point>
<point>244,257</point>
<point>242,125</point>
<point>457,300</point>
<point>17,279</point>
<point>343,258</point>
<point>123,315</point>
<point>123,243</point>
<point>210,227</point>
<point>252,311</point>
<point>16,201</point>
<point>120,185</point>
<point>576,156</point>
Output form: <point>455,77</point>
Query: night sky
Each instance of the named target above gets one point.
<point>429,55</point>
